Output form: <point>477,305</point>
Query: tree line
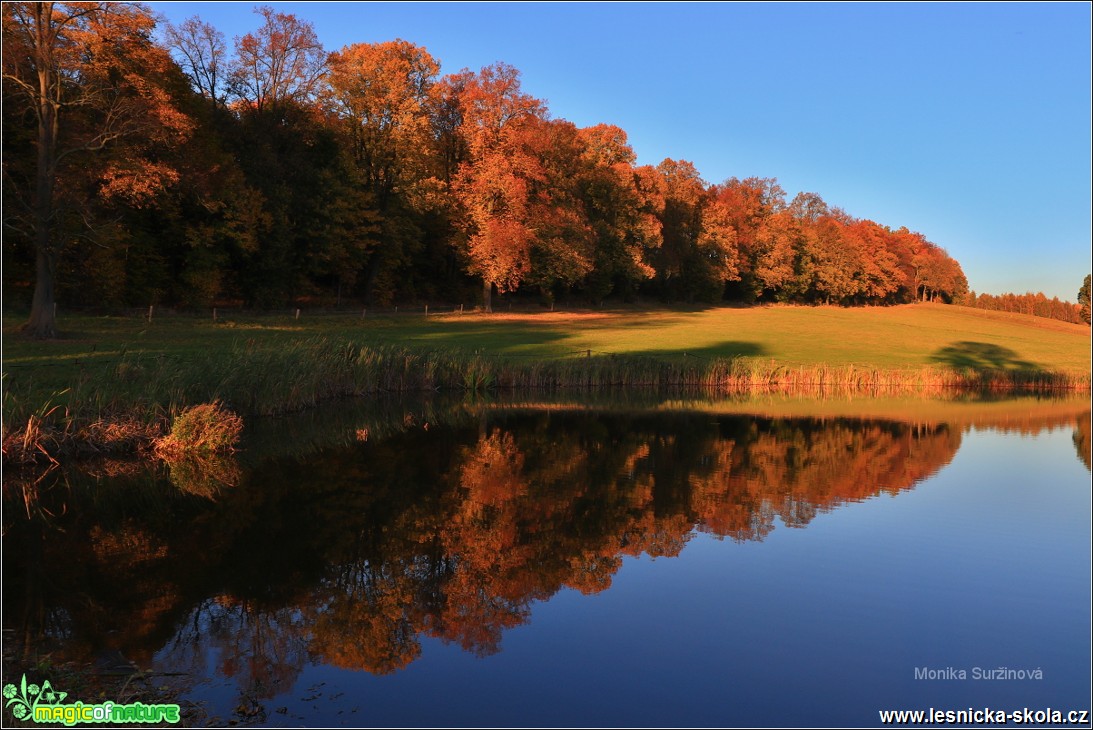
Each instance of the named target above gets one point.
<point>1036,304</point>
<point>163,164</point>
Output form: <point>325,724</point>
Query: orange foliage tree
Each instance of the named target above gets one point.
<point>364,172</point>
<point>698,254</point>
<point>493,185</point>
<point>380,96</point>
<point>88,74</point>
<point>623,205</point>
<point>281,61</point>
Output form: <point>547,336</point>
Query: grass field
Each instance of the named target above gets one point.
<point>110,369</point>
<point>910,336</point>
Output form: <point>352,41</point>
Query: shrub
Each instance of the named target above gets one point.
<point>204,429</point>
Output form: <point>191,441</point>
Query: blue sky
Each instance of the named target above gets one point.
<point>968,122</point>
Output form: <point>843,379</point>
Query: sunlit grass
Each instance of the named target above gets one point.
<point>880,336</point>
<point>106,369</point>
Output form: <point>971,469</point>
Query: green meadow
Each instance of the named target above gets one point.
<point>896,338</point>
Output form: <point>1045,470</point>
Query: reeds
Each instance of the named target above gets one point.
<point>201,430</point>
<point>126,409</point>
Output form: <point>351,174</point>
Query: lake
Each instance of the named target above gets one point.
<point>607,561</point>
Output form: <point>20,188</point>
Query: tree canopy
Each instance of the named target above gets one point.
<point>1083,300</point>
<point>169,166</point>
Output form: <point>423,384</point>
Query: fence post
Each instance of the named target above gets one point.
<point>297,313</point>
<point>149,312</point>
<point>426,310</point>
<point>364,312</point>
<point>461,309</point>
<point>214,314</point>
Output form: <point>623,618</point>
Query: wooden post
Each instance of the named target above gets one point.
<point>214,314</point>
<point>426,310</point>
<point>297,313</point>
<point>461,309</point>
<point>364,312</point>
<point>149,312</point>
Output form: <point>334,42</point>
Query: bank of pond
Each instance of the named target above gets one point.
<point>129,405</point>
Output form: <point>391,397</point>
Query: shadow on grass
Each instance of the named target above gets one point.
<point>548,339</point>
<point>981,356</point>
<point>725,349</point>
<point>547,342</point>
<point>473,336</point>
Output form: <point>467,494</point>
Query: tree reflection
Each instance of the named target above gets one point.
<point>1082,440</point>
<point>351,556</point>
<point>366,618</point>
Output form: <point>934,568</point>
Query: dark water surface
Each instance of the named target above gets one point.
<point>562,565</point>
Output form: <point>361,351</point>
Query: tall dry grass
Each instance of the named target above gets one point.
<point>126,409</point>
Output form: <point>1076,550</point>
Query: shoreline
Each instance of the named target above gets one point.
<point>321,371</point>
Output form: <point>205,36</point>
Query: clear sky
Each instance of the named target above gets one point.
<point>968,122</point>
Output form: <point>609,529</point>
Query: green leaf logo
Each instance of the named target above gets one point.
<point>23,699</point>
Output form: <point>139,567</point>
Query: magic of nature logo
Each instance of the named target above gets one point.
<point>45,704</point>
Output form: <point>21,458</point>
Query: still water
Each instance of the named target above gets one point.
<point>560,564</point>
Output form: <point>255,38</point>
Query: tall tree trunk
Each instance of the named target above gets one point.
<point>41,323</point>
<point>487,295</point>
<point>371,272</point>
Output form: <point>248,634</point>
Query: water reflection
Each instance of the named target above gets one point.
<point>351,555</point>
<point>1082,441</point>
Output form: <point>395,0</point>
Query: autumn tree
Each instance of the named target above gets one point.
<point>808,208</point>
<point>1083,299</point>
<point>449,145</point>
<point>774,255</point>
<point>313,222</point>
<point>830,266</point>
<point>937,274</point>
<point>281,61</point>
<point>317,224</point>
<point>86,74</point>
<point>698,254</point>
<point>680,224</point>
<point>623,206</point>
<point>1036,304</point>
<point>201,52</point>
<point>380,95</point>
<point>717,246</point>
<point>563,242</point>
<point>266,171</point>
<point>182,249</point>
<point>492,185</point>
<point>880,277</point>
<point>749,205</point>
<point>380,91</point>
